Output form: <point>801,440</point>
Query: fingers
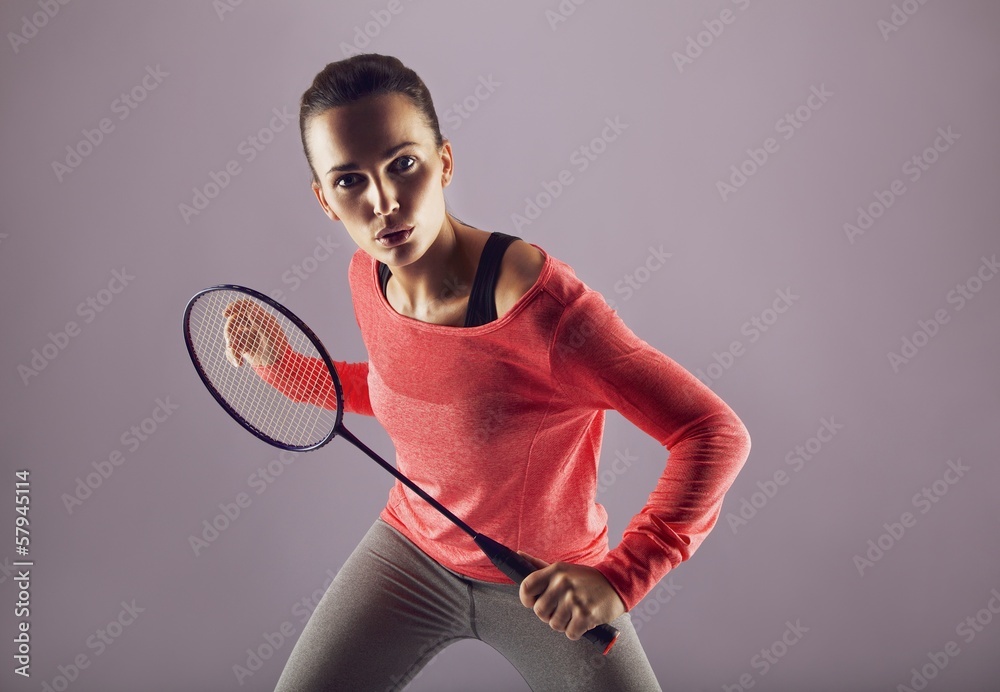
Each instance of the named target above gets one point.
<point>236,333</point>
<point>556,602</point>
<point>247,314</point>
<point>234,356</point>
<point>535,583</point>
<point>532,587</point>
<point>561,617</point>
<point>252,332</point>
<point>545,609</point>
<point>243,305</point>
<point>559,614</point>
<point>540,594</point>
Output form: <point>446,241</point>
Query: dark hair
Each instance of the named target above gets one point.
<point>358,77</point>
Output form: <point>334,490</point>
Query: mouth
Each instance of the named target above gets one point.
<point>389,237</point>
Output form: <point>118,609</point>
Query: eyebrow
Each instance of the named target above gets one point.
<point>353,166</point>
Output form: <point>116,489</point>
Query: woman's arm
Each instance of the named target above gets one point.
<point>602,363</point>
<point>305,379</point>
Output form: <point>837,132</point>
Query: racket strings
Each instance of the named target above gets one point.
<point>256,397</point>
<point>291,410</point>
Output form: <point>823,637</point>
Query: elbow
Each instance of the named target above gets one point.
<point>719,435</point>
<point>729,435</point>
<point>738,428</point>
<point>740,437</point>
<point>740,442</point>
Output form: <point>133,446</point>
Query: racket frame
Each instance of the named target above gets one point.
<point>288,314</point>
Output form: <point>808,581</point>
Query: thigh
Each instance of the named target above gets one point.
<point>388,612</point>
<point>550,661</point>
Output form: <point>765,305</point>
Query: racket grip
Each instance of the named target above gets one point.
<point>517,568</point>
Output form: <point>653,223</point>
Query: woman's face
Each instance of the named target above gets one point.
<point>378,167</point>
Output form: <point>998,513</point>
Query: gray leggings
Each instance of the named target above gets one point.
<point>392,608</point>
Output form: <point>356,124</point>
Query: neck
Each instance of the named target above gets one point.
<point>441,275</point>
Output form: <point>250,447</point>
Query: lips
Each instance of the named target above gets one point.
<point>390,239</point>
<point>391,229</point>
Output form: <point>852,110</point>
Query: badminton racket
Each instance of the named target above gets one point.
<point>290,396</point>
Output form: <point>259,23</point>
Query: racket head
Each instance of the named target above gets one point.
<point>256,405</point>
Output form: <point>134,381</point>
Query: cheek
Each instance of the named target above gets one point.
<point>425,190</point>
<point>350,207</point>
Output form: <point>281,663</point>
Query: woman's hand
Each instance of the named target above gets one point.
<point>253,333</point>
<point>570,598</point>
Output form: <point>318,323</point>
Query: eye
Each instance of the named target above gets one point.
<point>413,162</point>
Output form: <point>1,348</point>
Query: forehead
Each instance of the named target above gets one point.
<point>365,129</point>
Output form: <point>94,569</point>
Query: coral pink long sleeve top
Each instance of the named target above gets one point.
<point>502,423</point>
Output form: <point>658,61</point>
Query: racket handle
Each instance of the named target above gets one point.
<point>517,568</point>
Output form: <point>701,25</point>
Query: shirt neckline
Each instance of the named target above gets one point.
<point>516,308</point>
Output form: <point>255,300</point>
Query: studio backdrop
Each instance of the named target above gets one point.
<point>796,201</point>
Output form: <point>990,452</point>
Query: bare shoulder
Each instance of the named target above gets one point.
<point>519,270</point>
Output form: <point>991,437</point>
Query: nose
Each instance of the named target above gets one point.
<point>383,198</point>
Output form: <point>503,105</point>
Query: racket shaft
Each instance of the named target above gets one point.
<point>505,559</point>
<point>349,436</point>
<point>517,568</point>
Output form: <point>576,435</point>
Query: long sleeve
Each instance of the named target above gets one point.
<point>305,379</point>
<point>603,364</point>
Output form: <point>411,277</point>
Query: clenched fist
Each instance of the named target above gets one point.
<point>252,333</point>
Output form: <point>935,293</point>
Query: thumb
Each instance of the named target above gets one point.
<point>537,562</point>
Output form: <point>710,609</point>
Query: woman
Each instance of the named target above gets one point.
<point>490,366</point>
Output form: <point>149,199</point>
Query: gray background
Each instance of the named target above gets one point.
<point>825,357</point>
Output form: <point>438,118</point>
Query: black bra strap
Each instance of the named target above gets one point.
<point>482,307</point>
<point>383,275</point>
<point>482,302</point>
